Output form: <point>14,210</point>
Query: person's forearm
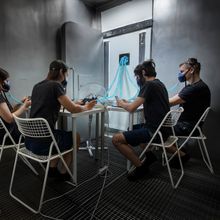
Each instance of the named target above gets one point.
<point>20,110</point>
<point>128,107</point>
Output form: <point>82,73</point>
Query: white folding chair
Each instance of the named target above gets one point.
<point>7,134</point>
<point>13,145</point>
<point>200,137</point>
<point>37,128</point>
<point>169,121</point>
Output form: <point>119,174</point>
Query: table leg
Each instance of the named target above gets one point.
<point>131,121</point>
<point>74,150</point>
<point>97,136</point>
<point>102,136</point>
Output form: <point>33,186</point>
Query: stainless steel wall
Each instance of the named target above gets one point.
<point>28,42</point>
<point>185,29</point>
<point>82,48</point>
<point>28,37</point>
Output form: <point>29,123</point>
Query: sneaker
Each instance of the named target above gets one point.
<point>53,172</point>
<point>174,163</point>
<point>141,171</point>
<point>64,177</point>
<point>138,173</point>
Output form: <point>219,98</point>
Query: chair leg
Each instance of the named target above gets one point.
<point>29,165</point>
<point>43,187</point>
<point>2,147</point>
<point>205,155</point>
<point>42,191</point>
<point>68,170</point>
<point>41,164</point>
<point>1,151</point>
<point>25,160</point>
<point>174,185</point>
<point>11,184</point>
<point>12,176</point>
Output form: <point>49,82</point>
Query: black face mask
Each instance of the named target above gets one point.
<point>64,83</point>
<point>140,82</point>
<point>6,86</point>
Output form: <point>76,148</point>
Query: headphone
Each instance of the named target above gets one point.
<point>192,62</point>
<point>149,68</point>
<point>6,86</point>
<point>56,66</point>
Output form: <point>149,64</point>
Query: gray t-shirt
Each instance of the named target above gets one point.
<point>44,101</point>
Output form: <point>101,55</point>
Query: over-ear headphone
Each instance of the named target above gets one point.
<point>192,62</point>
<point>56,66</point>
<point>3,74</point>
<point>149,68</point>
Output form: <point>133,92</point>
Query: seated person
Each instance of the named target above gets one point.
<point>47,98</point>
<point>195,97</point>
<point>6,109</point>
<point>154,97</point>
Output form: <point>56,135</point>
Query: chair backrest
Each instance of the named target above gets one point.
<point>200,122</point>
<point>204,115</point>
<point>33,127</point>
<point>169,120</point>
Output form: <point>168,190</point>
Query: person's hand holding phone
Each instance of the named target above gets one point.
<point>90,105</point>
<point>119,101</point>
<point>27,102</point>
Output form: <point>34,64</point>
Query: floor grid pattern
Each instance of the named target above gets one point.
<point>152,198</point>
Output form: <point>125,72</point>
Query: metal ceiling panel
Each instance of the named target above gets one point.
<point>102,5</point>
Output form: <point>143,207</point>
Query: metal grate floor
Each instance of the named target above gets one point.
<point>197,197</point>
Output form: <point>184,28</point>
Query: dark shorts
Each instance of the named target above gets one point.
<point>141,134</point>
<point>137,136</point>
<point>41,146</point>
<point>184,128</point>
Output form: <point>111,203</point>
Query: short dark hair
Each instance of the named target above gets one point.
<point>3,74</point>
<point>138,70</point>
<point>149,68</point>
<point>193,62</point>
<point>55,67</point>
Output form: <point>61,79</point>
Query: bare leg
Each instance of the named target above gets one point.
<point>53,163</point>
<point>68,159</point>
<point>173,149</point>
<point>125,149</point>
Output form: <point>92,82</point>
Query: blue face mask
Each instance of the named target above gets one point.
<point>181,77</point>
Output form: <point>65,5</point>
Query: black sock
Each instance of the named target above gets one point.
<point>150,158</point>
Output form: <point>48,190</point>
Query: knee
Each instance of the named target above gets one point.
<point>117,139</point>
